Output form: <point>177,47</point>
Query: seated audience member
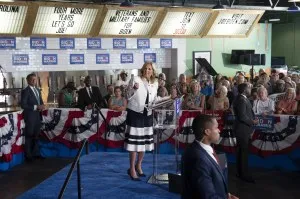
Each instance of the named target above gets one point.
<point>218,81</point>
<point>110,93</point>
<point>230,96</point>
<point>195,100</point>
<point>264,80</point>
<point>296,78</point>
<point>117,102</point>
<point>162,91</point>
<point>202,176</point>
<point>263,105</point>
<point>280,86</point>
<point>183,89</point>
<point>281,75</point>
<point>220,101</point>
<point>239,80</point>
<point>66,97</point>
<point>253,95</point>
<point>289,83</point>
<point>288,105</point>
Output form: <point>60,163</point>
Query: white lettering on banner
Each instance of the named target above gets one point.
<point>128,22</point>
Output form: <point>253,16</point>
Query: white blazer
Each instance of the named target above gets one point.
<point>137,97</point>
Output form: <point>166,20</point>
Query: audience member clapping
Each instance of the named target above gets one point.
<point>288,105</point>
<point>263,105</point>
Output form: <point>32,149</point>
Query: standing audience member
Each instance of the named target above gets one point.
<point>288,105</point>
<point>263,105</point>
<point>243,128</point>
<point>195,99</point>
<point>66,97</point>
<point>280,86</point>
<point>123,82</point>
<point>110,93</point>
<point>81,83</point>
<point>32,105</point>
<point>89,95</point>
<point>230,95</point>
<point>219,102</point>
<point>253,96</point>
<point>202,175</point>
<point>117,102</point>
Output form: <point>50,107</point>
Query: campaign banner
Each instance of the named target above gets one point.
<point>66,43</point>
<point>126,58</point>
<point>165,43</point>
<point>265,123</point>
<point>49,59</point>
<point>143,43</point>
<point>7,42</point>
<point>102,58</point>
<point>93,43</point>
<point>150,57</point>
<point>20,59</point>
<point>38,43</point>
<point>76,58</point>
<point>119,43</point>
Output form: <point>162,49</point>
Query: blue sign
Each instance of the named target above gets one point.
<point>119,43</point>
<point>76,58</point>
<point>93,43</point>
<point>143,43</point>
<point>20,59</point>
<point>49,59</point>
<point>178,106</point>
<point>66,43</point>
<point>265,123</point>
<point>126,58</point>
<point>102,58</point>
<point>7,42</point>
<point>165,43</point>
<point>38,43</point>
<point>150,57</point>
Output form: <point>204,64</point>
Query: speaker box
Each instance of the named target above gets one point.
<point>251,59</point>
<point>263,59</point>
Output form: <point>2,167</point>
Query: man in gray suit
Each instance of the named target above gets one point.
<point>243,128</point>
<point>32,105</point>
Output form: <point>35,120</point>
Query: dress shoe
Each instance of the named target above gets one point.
<point>39,157</point>
<point>139,174</point>
<point>132,178</point>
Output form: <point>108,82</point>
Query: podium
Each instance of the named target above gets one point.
<point>163,120</point>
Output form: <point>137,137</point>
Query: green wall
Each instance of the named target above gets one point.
<point>286,42</point>
<point>221,50</point>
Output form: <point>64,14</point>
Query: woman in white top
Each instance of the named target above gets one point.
<point>263,105</point>
<point>142,91</point>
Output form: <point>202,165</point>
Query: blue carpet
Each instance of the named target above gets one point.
<point>104,175</point>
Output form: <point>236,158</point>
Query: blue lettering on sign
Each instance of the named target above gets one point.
<point>150,57</point>
<point>93,43</point>
<point>143,43</point>
<point>67,43</point>
<point>38,43</point>
<point>165,43</point>
<point>7,42</point>
<point>119,43</point>
<point>102,58</point>
<point>49,59</point>
<point>20,59</point>
<point>76,58</point>
<point>126,58</point>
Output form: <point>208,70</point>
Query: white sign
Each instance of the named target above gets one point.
<point>64,20</point>
<point>232,24</point>
<point>183,23</point>
<point>128,22</point>
<point>12,18</point>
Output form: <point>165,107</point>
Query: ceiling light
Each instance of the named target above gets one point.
<point>127,3</point>
<point>293,8</point>
<point>275,19</point>
<point>294,0</point>
<point>219,6</point>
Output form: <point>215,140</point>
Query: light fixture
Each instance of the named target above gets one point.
<point>294,0</point>
<point>293,8</point>
<point>219,6</point>
<point>127,3</point>
<point>274,19</point>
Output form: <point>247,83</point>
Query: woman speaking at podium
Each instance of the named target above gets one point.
<point>141,93</point>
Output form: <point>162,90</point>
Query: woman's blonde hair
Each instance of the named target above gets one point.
<point>153,77</point>
<point>294,93</point>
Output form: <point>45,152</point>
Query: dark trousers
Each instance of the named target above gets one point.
<point>242,154</point>
<point>32,131</point>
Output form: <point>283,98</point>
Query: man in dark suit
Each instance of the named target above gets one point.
<point>243,129</point>
<point>89,95</point>
<point>32,105</point>
<point>201,173</point>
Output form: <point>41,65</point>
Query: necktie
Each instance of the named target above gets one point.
<point>216,157</point>
<point>36,95</point>
<point>90,91</point>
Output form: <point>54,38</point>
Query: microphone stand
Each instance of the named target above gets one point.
<point>107,129</point>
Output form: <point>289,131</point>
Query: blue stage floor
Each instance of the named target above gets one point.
<point>104,175</point>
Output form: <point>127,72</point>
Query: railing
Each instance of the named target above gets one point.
<point>75,162</point>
